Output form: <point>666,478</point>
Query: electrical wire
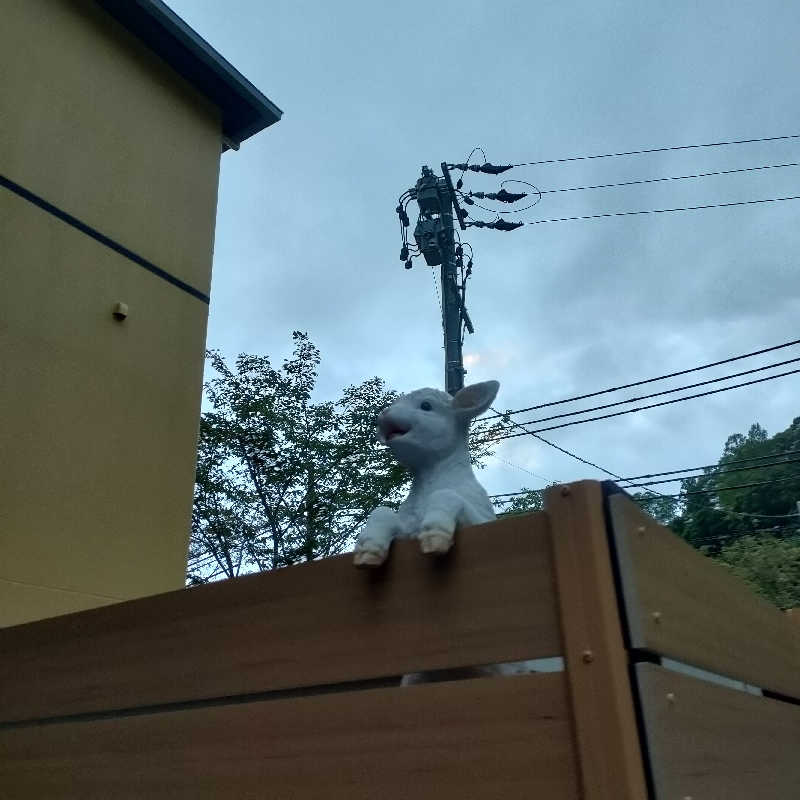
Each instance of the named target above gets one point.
<point>665,391</point>
<point>472,202</point>
<point>466,163</point>
<point>694,469</point>
<point>661,210</point>
<point>517,466</point>
<point>561,449</point>
<point>648,380</point>
<point>764,516</point>
<point>651,405</point>
<point>672,178</point>
<point>729,538</point>
<point>680,494</point>
<point>655,150</point>
<point>718,466</point>
<point>515,494</point>
<point>723,488</point>
<point>716,474</point>
<point>438,296</point>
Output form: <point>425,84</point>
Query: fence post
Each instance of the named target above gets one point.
<point>609,751</point>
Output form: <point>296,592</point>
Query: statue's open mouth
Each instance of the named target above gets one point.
<point>393,432</point>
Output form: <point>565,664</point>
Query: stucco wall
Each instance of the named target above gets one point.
<point>99,417</point>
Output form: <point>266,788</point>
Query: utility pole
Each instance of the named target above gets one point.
<point>435,239</point>
<point>434,234</point>
<point>451,296</point>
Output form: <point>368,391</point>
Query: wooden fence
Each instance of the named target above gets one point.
<point>284,684</point>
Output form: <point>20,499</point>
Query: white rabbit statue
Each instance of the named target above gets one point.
<point>427,430</point>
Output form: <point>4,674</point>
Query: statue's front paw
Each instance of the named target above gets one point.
<point>435,541</point>
<point>369,554</point>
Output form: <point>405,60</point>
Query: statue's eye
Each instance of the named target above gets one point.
<point>425,405</point>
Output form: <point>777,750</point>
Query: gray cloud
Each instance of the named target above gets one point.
<point>307,237</point>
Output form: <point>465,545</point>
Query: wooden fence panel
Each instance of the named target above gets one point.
<point>710,742</point>
<point>490,738</point>
<point>681,605</point>
<point>491,600</point>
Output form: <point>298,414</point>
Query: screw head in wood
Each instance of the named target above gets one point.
<point>656,617</point>
<point>565,491</point>
<point>641,530</point>
<point>670,697</point>
<point>587,656</point>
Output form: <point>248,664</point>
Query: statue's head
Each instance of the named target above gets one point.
<point>426,425</point>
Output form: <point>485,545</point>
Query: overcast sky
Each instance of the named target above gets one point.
<point>307,237</point>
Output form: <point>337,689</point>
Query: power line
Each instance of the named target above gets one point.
<point>683,494</point>
<point>719,466</point>
<point>522,469</point>
<point>661,210</point>
<point>436,289</point>
<point>658,180</point>
<point>764,516</point>
<point>515,494</point>
<point>665,391</point>
<point>722,488</point>
<point>732,535</point>
<point>657,150</point>
<point>562,449</point>
<point>647,380</point>
<point>694,469</point>
<point>715,474</point>
<point>650,405</point>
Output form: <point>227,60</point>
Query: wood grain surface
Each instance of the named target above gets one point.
<point>713,743</point>
<point>609,751</point>
<point>682,605</point>
<point>479,739</point>
<point>491,600</point>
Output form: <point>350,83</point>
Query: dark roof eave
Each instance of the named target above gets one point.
<point>245,110</point>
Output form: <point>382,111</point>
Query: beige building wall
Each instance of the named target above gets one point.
<point>99,417</point>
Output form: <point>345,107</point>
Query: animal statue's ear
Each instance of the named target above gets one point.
<point>472,401</point>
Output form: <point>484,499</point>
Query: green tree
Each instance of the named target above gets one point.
<point>770,564</point>
<point>754,530</point>
<point>660,507</point>
<point>529,500</point>
<point>719,514</point>
<point>282,478</point>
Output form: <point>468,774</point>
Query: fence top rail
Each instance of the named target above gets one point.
<point>492,600</point>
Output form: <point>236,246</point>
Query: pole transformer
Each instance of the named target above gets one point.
<point>435,238</point>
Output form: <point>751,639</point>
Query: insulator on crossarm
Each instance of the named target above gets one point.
<point>489,169</point>
<point>503,196</point>
<point>503,225</point>
<point>404,253</point>
<point>468,200</point>
<point>508,197</point>
<point>408,264</point>
<point>497,225</point>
